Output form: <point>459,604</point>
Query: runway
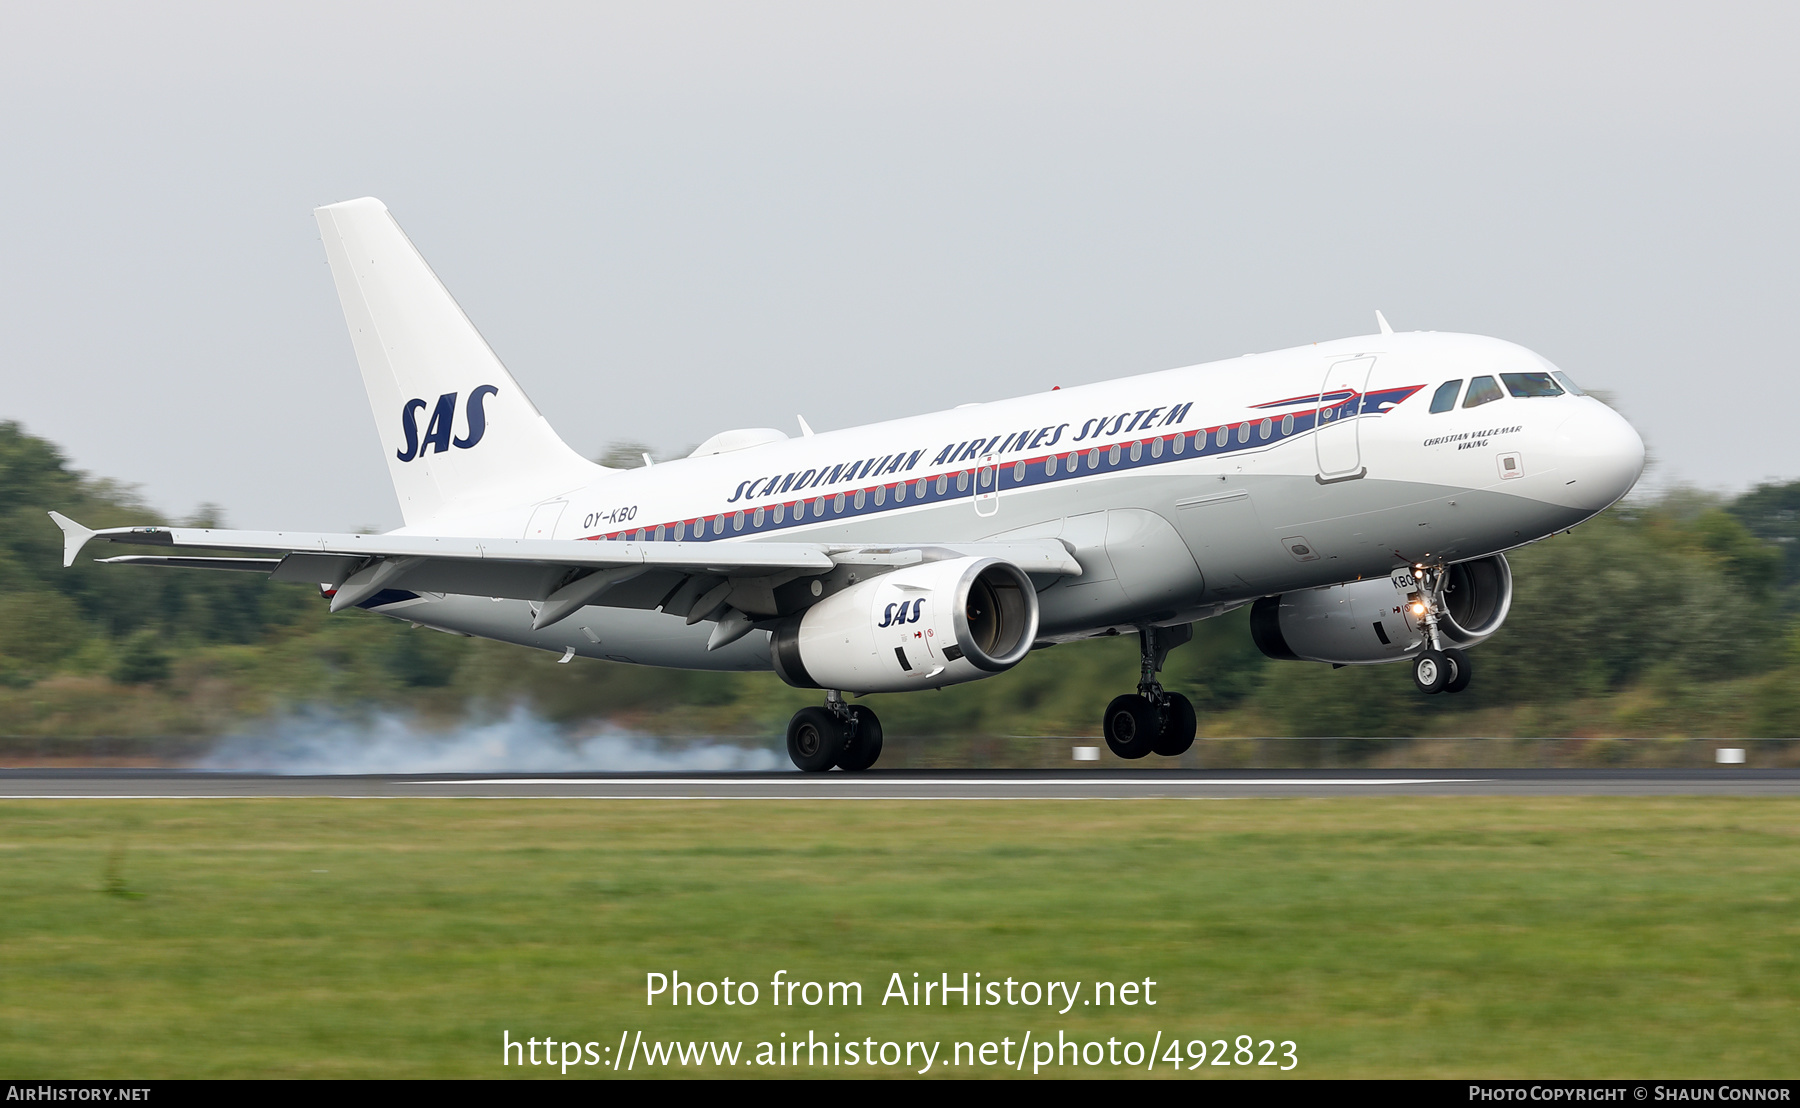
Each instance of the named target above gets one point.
<point>907,784</point>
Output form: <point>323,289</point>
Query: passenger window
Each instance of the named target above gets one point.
<point>1267,426</point>
<point>1569,383</point>
<point>1531,384</point>
<point>1483,390</point>
<point>1445,397</point>
<point>1287,424</point>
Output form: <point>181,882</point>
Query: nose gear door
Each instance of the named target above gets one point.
<point>1335,433</point>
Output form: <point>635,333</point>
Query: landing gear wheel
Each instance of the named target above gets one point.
<point>1131,726</point>
<point>815,739</point>
<point>1460,671</point>
<point>1178,726</point>
<point>865,741</point>
<point>1431,671</point>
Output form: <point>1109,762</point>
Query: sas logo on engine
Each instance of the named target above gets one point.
<point>903,612</point>
<point>439,430</point>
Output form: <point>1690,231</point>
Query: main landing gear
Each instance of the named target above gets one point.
<point>847,736</point>
<point>1152,720</point>
<point>1437,668</point>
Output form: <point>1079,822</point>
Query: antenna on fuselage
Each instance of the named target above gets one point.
<point>1381,321</point>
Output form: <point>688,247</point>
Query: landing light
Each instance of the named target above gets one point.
<point>1418,609</point>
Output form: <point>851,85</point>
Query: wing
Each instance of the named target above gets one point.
<point>734,583</point>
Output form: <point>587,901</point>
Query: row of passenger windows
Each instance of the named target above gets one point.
<point>1485,390</point>
<point>984,477</point>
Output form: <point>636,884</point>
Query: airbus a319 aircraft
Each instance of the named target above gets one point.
<point>1358,494</point>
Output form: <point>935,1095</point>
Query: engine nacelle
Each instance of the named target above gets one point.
<point>1366,622</point>
<point>921,627</point>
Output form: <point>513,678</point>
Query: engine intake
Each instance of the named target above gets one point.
<point>1367,622</point>
<point>924,626</point>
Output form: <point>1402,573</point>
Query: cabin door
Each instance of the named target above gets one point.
<point>1340,402</point>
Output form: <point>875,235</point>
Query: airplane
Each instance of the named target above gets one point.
<point>1358,494</point>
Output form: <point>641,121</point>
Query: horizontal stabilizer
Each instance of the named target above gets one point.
<point>75,536</point>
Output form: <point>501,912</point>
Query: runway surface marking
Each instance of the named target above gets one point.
<point>829,781</point>
<point>915,785</point>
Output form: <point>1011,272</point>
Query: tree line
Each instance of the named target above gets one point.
<point>1676,616</point>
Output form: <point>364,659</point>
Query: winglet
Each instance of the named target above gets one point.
<point>1382,320</point>
<point>806,430</point>
<point>75,536</point>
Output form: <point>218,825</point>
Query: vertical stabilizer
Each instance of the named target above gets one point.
<point>455,427</point>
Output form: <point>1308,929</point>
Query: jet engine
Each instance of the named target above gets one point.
<point>920,627</point>
<point>1365,622</point>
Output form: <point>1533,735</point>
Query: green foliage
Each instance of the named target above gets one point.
<point>1772,513</point>
<point>142,660</point>
<point>625,455</point>
<point>418,662</point>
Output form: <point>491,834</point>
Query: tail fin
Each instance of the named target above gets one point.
<point>455,426</point>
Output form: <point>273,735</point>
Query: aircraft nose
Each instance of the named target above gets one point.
<point>1602,455</point>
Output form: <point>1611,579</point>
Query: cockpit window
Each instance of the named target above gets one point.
<point>1569,383</point>
<point>1531,384</point>
<point>1482,390</point>
<point>1445,397</point>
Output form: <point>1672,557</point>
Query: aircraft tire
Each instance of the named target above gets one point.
<point>1131,726</point>
<point>865,744</point>
<point>1461,672</point>
<point>1431,671</point>
<point>1178,726</point>
<point>815,739</point>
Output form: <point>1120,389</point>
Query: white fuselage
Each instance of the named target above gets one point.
<point>1182,493</point>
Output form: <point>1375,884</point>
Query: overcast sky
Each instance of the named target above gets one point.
<point>673,219</point>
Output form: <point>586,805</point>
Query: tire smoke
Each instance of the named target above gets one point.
<point>520,742</point>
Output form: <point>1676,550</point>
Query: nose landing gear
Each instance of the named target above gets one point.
<point>1152,720</point>
<point>847,736</point>
<point>1437,668</point>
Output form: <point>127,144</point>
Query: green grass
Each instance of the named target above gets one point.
<point>1559,937</point>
